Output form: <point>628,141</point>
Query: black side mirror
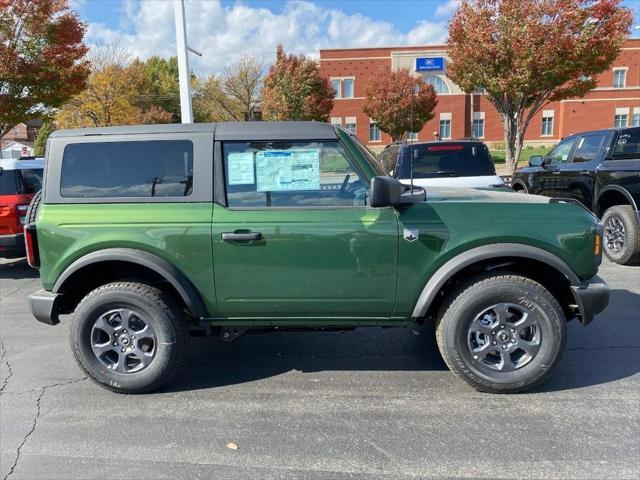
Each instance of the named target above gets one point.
<point>536,161</point>
<point>385,192</point>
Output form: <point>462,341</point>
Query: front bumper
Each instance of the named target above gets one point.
<point>44,306</point>
<point>591,297</point>
<point>12,246</point>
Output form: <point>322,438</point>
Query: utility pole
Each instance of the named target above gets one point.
<point>186,112</point>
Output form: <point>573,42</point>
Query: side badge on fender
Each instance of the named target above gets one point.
<point>411,234</point>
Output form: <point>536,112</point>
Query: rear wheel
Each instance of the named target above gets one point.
<point>621,235</point>
<point>501,333</point>
<point>128,337</point>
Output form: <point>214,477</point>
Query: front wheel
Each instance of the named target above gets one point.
<point>501,333</point>
<point>128,337</point>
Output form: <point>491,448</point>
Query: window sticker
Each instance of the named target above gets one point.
<point>283,170</point>
<point>240,166</point>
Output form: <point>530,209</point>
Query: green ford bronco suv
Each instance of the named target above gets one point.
<point>148,234</point>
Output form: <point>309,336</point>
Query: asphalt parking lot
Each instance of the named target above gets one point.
<point>371,403</point>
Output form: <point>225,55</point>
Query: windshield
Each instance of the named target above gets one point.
<point>445,160</point>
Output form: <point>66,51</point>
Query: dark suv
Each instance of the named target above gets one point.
<point>601,170</point>
<point>149,233</point>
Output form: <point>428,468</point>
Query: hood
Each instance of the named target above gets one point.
<point>448,194</point>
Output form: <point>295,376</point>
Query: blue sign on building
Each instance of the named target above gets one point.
<point>424,64</point>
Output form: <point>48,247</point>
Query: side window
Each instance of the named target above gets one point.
<point>627,144</point>
<point>159,168</point>
<point>588,148</point>
<point>560,154</point>
<point>286,174</point>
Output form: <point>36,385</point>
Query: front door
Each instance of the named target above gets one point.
<point>297,239</point>
<point>577,177</point>
<point>549,180</point>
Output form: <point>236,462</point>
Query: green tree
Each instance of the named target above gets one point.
<point>40,144</point>
<point>42,58</point>
<point>212,104</point>
<point>163,88</point>
<point>295,90</point>
<point>527,53</point>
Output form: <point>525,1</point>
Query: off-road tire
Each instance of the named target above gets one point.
<point>629,254</point>
<point>160,311</point>
<point>34,207</point>
<point>476,295</point>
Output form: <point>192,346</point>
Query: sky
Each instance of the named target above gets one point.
<point>223,30</point>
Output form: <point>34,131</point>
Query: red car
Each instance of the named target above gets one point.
<point>20,179</point>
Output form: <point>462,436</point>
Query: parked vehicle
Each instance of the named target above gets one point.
<point>601,170</point>
<point>148,233</point>
<point>462,163</point>
<point>20,179</point>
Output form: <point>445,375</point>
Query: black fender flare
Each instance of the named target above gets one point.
<point>487,252</point>
<point>619,189</point>
<point>188,293</point>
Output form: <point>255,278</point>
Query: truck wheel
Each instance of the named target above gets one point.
<point>502,333</point>
<point>128,337</point>
<point>621,235</point>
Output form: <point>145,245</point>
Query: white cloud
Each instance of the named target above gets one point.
<point>447,8</point>
<point>223,34</point>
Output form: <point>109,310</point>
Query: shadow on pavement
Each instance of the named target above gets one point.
<point>604,351</point>
<point>16,269</point>
<point>212,363</point>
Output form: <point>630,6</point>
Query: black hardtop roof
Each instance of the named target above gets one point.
<point>222,131</point>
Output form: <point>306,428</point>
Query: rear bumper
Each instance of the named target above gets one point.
<point>44,306</point>
<point>591,297</point>
<point>12,245</point>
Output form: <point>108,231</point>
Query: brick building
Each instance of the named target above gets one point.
<point>19,140</point>
<point>615,102</point>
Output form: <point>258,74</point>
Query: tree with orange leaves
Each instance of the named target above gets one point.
<point>399,102</point>
<point>294,90</point>
<point>526,53</point>
<point>42,58</point>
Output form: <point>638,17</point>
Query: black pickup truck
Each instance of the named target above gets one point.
<point>601,170</point>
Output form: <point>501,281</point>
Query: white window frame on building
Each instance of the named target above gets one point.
<point>620,77</point>
<point>350,124</point>
<point>546,123</point>
<point>336,121</point>
<point>439,84</point>
<point>374,128</point>
<point>635,119</point>
<point>338,85</point>
<point>478,125</point>
<point>445,126</point>
<point>621,117</point>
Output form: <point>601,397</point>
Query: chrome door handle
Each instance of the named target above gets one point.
<point>235,237</point>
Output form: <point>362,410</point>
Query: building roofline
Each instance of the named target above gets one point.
<point>386,47</point>
<point>417,47</point>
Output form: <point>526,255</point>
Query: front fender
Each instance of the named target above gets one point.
<point>487,252</point>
